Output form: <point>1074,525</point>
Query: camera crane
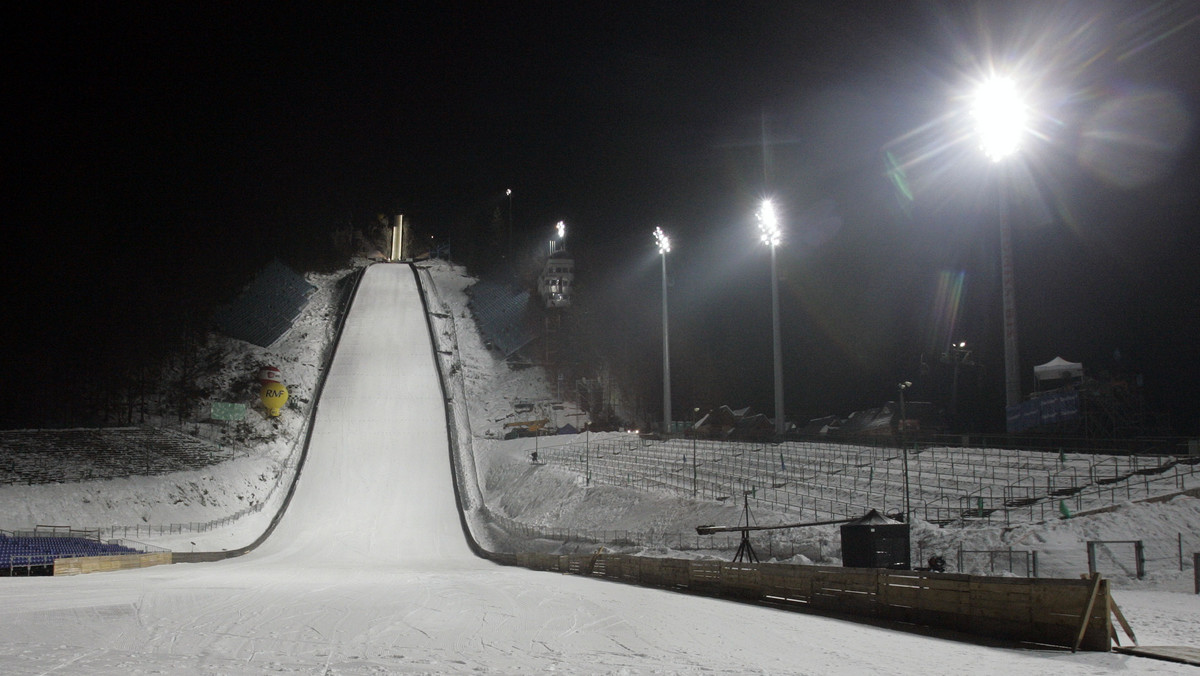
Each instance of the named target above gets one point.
<point>745,549</point>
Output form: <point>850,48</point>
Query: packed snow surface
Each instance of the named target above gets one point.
<point>369,572</point>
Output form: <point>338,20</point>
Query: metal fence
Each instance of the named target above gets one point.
<point>946,485</point>
<point>998,562</point>
<point>1140,557</point>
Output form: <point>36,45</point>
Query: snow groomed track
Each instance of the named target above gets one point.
<point>377,482</point>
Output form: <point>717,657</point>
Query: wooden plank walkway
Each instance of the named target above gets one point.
<point>1170,653</point>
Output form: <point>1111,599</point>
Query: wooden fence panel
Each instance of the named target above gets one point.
<point>674,573</point>
<point>793,584</point>
<point>1038,610</point>
<point>1058,614</point>
<point>849,590</point>
<point>1002,600</point>
<point>704,575</point>
<point>83,565</point>
<point>741,580</point>
<point>579,565</point>
<point>926,593</point>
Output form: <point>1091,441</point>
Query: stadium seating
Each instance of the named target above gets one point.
<point>500,313</point>
<point>267,307</point>
<point>27,551</point>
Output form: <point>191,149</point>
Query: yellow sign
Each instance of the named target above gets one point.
<point>274,396</point>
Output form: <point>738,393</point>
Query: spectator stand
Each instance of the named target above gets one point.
<point>501,313</point>
<point>266,307</point>
<point>25,553</point>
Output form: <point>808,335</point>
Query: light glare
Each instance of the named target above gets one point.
<point>999,117</point>
<point>562,229</point>
<point>768,223</point>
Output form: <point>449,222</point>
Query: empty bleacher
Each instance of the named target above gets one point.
<point>266,307</point>
<point>500,313</point>
<point>34,552</point>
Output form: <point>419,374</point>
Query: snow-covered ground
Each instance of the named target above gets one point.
<point>368,571</point>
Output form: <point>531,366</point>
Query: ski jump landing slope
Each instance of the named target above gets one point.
<point>377,483</point>
<point>368,572</point>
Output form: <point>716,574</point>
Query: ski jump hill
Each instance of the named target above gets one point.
<point>369,569</point>
<point>378,488</point>
<point>376,483</point>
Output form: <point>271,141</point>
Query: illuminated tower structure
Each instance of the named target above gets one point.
<point>558,274</point>
<point>554,286</point>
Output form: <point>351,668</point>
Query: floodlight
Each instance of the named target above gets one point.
<point>768,223</point>
<point>999,115</point>
<point>662,240</point>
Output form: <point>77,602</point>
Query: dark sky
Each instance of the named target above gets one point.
<point>170,136</point>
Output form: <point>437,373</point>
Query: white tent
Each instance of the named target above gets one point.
<point>1058,368</point>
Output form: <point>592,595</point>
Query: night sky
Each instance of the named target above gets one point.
<point>152,146</point>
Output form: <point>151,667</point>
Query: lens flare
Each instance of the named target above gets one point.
<point>947,308</point>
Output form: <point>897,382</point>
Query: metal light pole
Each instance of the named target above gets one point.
<point>509,193</point>
<point>664,246</point>
<point>768,225</point>
<point>695,412</point>
<point>904,450</point>
<point>1012,368</point>
<point>959,355</point>
<point>1000,121</point>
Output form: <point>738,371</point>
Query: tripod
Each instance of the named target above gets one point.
<point>745,549</point>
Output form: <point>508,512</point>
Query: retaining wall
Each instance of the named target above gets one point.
<point>96,564</point>
<point>1043,611</point>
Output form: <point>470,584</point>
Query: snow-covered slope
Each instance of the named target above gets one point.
<point>355,579</point>
<point>376,484</point>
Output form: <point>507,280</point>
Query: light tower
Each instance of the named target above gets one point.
<point>904,449</point>
<point>664,247</point>
<point>1000,113</point>
<point>768,225</point>
<point>508,193</point>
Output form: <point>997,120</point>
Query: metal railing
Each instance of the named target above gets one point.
<point>948,485</point>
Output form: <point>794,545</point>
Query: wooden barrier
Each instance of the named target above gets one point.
<point>96,564</point>
<point>1036,610</point>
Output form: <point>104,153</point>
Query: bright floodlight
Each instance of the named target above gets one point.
<point>562,229</point>
<point>662,240</point>
<point>508,192</point>
<point>768,223</point>
<point>999,117</point>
